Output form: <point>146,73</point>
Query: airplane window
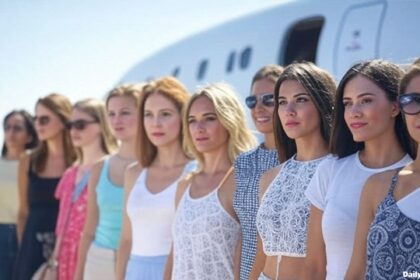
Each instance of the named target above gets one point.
<point>176,71</point>
<point>302,41</point>
<point>245,58</point>
<point>230,62</point>
<point>202,69</point>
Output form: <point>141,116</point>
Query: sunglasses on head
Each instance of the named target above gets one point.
<point>79,124</point>
<point>42,120</point>
<point>14,128</point>
<point>266,99</point>
<point>410,103</point>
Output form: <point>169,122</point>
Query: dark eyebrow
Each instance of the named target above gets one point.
<point>296,95</point>
<point>361,95</point>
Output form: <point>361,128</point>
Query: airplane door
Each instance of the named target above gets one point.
<point>358,36</point>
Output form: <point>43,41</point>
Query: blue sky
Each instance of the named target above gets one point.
<point>82,48</point>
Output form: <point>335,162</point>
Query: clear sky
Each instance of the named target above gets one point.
<point>82,48</point>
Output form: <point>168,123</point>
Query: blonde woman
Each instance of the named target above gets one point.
<point>206,230</point>
<point>102,230</point>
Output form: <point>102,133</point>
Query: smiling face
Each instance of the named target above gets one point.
<point>123,117</point>
<point>296,110</point>
<point>162,120</point>
<point>207,132</point>
<point>262,115</point>
<point>367,111</point>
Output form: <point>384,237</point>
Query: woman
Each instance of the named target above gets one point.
<point>91,136</point>
<point>206,230</point>
<point>249,166</point>
<point>101,233</point>
<point>303,105</point>
<point>39,173</point>
<point>368,137</point>
<point>19,136</point>
<point>151,183</point>
<point>389,218</point>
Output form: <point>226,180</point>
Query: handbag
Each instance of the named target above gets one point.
<point>48,269</point>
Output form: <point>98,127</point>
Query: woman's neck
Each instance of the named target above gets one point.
<point>13,154</point>
<point>127,150</point>
<point>91,154</point>
<point>170,156</point>
<point>216,161</point>
<point>56,146</point>
<point>269,141</point>
<point>311,147</point>
<point>382,151</point>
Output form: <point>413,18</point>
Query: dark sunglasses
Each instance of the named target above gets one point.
<point>266,99</point>
<point>79,124</point>
<point>42,120</point>
<point>410,103</point>
<point>14,128</point>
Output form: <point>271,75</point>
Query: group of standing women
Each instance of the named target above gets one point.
<point>157,184</point>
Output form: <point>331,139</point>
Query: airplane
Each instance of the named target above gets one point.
<point>332,34</point>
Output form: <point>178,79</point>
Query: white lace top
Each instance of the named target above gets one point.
<point>284,211</point>
<point>204,239</point>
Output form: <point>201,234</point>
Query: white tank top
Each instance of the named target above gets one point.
<point>151,216</point>
<point>205,237</point>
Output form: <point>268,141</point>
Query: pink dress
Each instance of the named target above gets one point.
<point>70,233</point>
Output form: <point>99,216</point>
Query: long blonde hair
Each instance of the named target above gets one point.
<point>230,114</point>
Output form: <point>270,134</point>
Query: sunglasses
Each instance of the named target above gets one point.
<point>14,128</point>
<point>42,120</point>
<point>79,124</point>
<point>410,103</point>
<point>266,99</point>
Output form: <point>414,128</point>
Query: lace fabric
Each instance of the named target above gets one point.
<point>205,237</point>
<point>284,211</point>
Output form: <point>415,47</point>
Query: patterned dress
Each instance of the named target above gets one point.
<point>393,243</point>
<point>70,233</point>
<point>284,211</point>
<point>249,167</point>
<point>205,237</point>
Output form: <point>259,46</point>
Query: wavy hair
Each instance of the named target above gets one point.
<point>230,114</point>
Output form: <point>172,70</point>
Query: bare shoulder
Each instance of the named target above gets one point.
<point>131,174</point>
<point>377,185</point>
<point>185,182</point>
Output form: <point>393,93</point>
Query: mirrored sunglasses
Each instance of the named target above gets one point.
<point>42,120</point>
<point>410,103</point>
<point>266,99</point>
<point>79,124</point>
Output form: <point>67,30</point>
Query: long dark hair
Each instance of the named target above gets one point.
<point>320,86</point>
<point>385,75</point>
<point>29,127</point>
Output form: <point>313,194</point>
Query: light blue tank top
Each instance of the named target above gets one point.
<point>110,199</point>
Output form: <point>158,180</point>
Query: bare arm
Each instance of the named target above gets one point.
<point>356,269</point>
<point>182,186</point>
<point>316,259</point>
<point>89,229</point>
<point>260,257</point>
<point>124,249</point>
<point>23,195</point>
